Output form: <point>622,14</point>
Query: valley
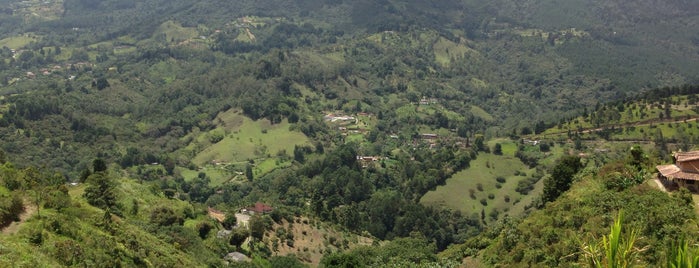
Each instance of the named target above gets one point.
<point>151,133</point>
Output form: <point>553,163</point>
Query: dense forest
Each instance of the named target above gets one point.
<point>342,133</point>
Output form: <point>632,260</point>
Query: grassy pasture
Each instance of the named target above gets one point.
<point>16,42</point>
<point>484,170</point>
<point>246,139</point>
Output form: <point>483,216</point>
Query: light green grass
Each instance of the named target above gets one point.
<point>484,170</point>
<point>446,50</point>
<point>16,42</point>
<point>478,111</point>
<point>509,147</point>
<point>245,139</point>
<point>176,33</point>
<point>217,175</point>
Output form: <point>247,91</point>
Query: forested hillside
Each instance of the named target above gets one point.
<point>365,126</point>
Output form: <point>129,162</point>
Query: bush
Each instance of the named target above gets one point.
<point>525,186</point>
<point>491,196</point>
<point>479,186</point>
<point>484,202</point>
<point>165,216</point>
<point>204,228</point>
<point>500,179</point>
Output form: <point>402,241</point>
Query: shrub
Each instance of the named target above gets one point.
<point>500,179</point>
<point>165,216</point>
<point>491,196</point>
<point>479,186</point>
<point>484,202</point>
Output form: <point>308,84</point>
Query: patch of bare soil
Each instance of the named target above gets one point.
<point>310,240</point>
<point>29,211</point>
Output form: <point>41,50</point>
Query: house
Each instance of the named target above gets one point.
<point>429,136</point>
<point>683,173</point>
<point>260,208</point>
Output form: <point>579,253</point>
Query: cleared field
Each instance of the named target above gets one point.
<point>462,191</point>
<point>244,139</point>
<point>16,42</point>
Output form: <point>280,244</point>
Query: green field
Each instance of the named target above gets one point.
<point>16,42</point>
<point>245,139</point>
<point>484,170</point>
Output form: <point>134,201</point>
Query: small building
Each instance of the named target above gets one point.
<point>683,173</point>
<point>429,136</point>
<point>260,208</point>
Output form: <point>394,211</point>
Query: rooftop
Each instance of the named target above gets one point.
<point>686,156</point>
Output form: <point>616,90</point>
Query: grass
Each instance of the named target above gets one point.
<point>446,50</point>
<point>16,42</point>
<point>247,139</point>
<point>478,111</point>
<point>217,175</point>
<point>176,33</point>
<point>484,170</point>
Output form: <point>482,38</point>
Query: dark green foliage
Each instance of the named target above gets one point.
<point>57,199</point>
<point>10,209</point>
<point>399,251</point>
<point>98,165</point>
<point>500,179</point>
<point>248,172</point>
<point>526,185</point>
<point>100,191</point>
<point>165,216</point>
<point>561,178</point>
<point>204,228</point>
<point>230,221</point>
<point>497,149</point>
<point>238,236</point>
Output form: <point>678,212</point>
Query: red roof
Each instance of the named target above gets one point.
<point>261,208</point>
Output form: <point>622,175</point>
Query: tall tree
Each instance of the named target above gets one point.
<point>561,178</point>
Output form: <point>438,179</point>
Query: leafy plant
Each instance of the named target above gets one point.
<point>681,255</point>
<point>614,251</point>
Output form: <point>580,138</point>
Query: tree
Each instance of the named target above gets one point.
<point>40,185</point>
<point>98,165</point>
<point>100,191</point>
<point>497,149</point>
<point>478,142</point>
<point>257,227</point>
<point>238,236</point>
<point>230,221</point>
<point>248,172</point>
<point>561,178</point>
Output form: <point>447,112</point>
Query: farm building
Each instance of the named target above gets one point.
<point>259,208</point>
<point>683,173</point>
